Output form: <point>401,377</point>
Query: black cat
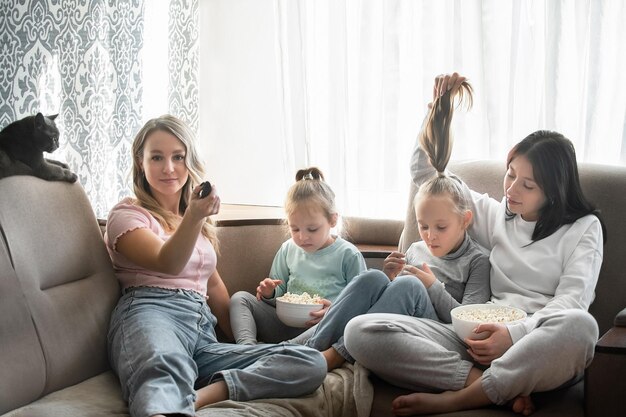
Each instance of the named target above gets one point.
<point>22,144</point>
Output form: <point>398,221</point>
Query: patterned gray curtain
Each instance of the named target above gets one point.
<point>82,59</point>
<point>183,61</point>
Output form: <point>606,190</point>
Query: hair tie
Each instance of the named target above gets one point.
<point>441,174</point>
<point>308,176</point>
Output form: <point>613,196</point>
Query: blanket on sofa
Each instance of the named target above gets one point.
<point>346,392</point>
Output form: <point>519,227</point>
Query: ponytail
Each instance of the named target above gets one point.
<point>310,188</point>
<point>436,140</point>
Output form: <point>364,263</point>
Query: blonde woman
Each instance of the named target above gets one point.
<point>162,342</point>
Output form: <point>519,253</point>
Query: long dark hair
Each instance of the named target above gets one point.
<point>555,169</point>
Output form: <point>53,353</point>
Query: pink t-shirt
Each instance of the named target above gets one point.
<point>126,217</point>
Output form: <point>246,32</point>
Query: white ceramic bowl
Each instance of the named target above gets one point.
<point>484,313</point>
<point>293,314</point>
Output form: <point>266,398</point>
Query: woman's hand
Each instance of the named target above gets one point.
<point>424,274</point>
<point>206,206</point>
<point>266,288</point>
<point>393,264</point>
<point>319,314</point>
<point>486,350</point>
<point>445,82</point>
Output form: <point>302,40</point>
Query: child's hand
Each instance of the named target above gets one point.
<point>266,288</point>
<point>319,314</point>
<point>393,264</point>
<point>424,274</point>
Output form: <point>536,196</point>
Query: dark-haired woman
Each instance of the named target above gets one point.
<point>546,251</point>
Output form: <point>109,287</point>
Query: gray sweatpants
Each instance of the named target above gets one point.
<point>425,355</point>
<point>251,319</point>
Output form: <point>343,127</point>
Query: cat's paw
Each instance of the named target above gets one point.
<point>70,177</point>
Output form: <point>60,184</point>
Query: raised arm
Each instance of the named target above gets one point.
<point>486,210</point>
<point>145,249</point>
<point>421,169</point>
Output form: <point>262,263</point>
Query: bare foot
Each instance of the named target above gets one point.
<point>333,358</point>
<point>425,403</point>
<point>212,393</point>
<point>467,398</point>
<point>523,405</point>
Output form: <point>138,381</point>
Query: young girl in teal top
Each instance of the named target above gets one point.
<point>312,261</point>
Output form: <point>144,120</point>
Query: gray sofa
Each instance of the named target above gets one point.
<point>57,290</point>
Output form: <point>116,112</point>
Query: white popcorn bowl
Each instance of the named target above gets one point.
<point>295,315</point>
<point>465,328</point>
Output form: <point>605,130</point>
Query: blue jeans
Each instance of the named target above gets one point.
<point>162,345</point>
<point>370,292</point>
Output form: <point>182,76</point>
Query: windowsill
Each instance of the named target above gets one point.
<point>243,214</point>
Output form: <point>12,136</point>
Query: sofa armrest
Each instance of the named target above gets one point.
<point>376,251</point>
<point>620,318</point>
<point>604,378</point>
<point>375,254</point>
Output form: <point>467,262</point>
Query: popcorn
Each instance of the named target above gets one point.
<point>490,315</point>
<point>303,298</point>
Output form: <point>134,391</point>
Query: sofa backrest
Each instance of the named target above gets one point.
<point>247,249</point>
<point>57,289</point>
<point>603,185</point>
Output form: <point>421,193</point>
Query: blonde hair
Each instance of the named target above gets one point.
<point>436,140</point>
<point>310,188</point>
<point>168,220</point>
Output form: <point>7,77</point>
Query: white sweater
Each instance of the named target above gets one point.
<point>555,273</point>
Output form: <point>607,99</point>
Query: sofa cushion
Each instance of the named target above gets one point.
<point>98,396</point>
<point>59,278</point>
<point>21,357</point>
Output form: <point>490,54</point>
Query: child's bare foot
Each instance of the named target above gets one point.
<point>333,359</point>
<point>425,403</point>
<point>523,405</point>
<point>211,394</point>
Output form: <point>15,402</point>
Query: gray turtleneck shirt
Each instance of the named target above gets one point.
<point>462,275</point>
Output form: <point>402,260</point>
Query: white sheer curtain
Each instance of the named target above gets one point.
<point>343,85</point>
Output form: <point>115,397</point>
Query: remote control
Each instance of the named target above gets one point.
<point>205,190</point>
